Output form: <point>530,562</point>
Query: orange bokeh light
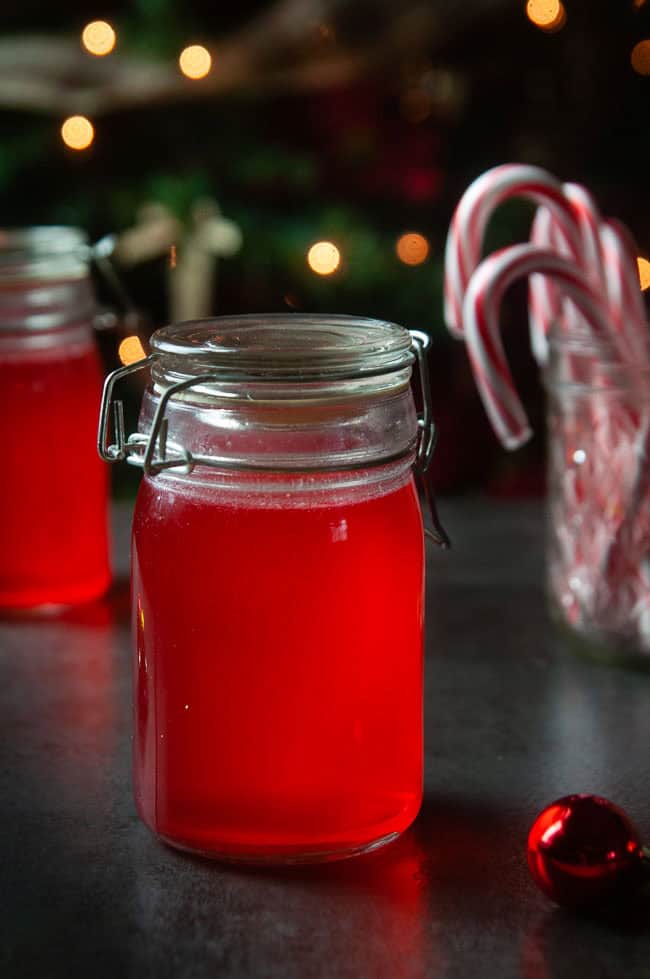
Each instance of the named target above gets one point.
<point>549,15</point>
<point>643,266</point>
<point>195,61</point>
<point>98,38</point>
<point>130,350</point>
<point>640,57</point>
<point>412,248</point>
<point>77,132</point>
<point>323,257</point>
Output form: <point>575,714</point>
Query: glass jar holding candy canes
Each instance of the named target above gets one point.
<point>598,553</point>
<point>277,584</point>
<point>589,333</point>
<point>53,492</point>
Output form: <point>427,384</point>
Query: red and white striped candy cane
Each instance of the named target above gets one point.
<point>588,219</point>
<point>544,301</point>
<point>481,309</point>
<point>545,307</point>
<point>627,309</point>
<point>465,238</point>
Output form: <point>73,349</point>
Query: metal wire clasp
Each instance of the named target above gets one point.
<point>113,445</point>
<point>427,437</point>
<point>140,449</point>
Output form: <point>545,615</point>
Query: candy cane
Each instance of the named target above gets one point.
<point>544,303</point>
<point>626,305</point>
<point>481,309</point>
<point>588,219</point>
<point>628,314</point>
<point>545,308</point>
<point>465,239</point>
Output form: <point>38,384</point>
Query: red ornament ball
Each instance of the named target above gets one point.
<point>583,850</point>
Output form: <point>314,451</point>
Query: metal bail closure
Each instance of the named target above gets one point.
<point>140,449</point>
<point>101,253</point>
<point>113,445</point>
<point>427,437</point>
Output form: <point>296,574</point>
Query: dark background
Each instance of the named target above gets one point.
<point>351,121</point>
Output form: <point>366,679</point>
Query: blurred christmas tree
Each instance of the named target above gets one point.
<point>297,131</point>
<point>351,122</point>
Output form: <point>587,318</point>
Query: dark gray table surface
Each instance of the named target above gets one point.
<point>512,722</point>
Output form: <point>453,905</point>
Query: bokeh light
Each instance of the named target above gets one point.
<point>323,257</point>
<point>130,350</point>
<point>77,132</point>
<point>549,15</point>
<point>640,57</point>
<point>195,61</point>
<point>643,266</point>
<point>98,38</point>
<point>412,248</point>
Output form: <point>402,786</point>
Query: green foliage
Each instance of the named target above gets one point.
<point>22,147</point>
<point>371,280</point>
<point>274,165</point>
<point>157,27</point>
<point>509,224</point>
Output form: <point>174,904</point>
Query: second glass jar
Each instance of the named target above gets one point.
<point>599,498</point>
<point>54,489</point>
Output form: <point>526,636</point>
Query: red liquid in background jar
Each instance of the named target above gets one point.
<point>278,673</point>
<point>53,490</point>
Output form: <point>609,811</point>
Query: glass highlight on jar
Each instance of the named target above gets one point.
<point>598,555</point>
<point>53,492</point>
<point>278,585</point>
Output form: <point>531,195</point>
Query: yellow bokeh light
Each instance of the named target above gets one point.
<point>550,15</point>
<point>195,61</point>
<point>323,257</point>
<point>412,248</point>
<point>130,350</point>
<point>643,266</point>
<point>98,38</point>
<point>640,57</point>
<point>77,132</point>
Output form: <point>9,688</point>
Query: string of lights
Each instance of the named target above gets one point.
<point>324,258</point>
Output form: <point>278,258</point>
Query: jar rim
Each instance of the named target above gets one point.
<point>43,252</point>
<point>581,342</point>
<point>285,346</point>
<point>41,239</point>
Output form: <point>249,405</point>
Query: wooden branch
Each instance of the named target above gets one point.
<point>290,47</point>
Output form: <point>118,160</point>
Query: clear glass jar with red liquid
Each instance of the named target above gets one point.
<point>53,491</point>
<point>277,585</point>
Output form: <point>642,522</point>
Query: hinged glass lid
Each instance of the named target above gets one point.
<point>286,346</point>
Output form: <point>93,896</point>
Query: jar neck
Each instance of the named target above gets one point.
<point>45,281</point>
<point>49,307</point>
<point>346,432</point>
<point>287,490</point>
<point>579,363</point>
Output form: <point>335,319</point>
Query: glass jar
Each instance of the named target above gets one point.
<point>598,555</point>
<point>277,583</point>
<point>53,492</point>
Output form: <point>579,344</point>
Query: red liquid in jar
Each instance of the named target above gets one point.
<point>53,490</point>
<point>278,672</point>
